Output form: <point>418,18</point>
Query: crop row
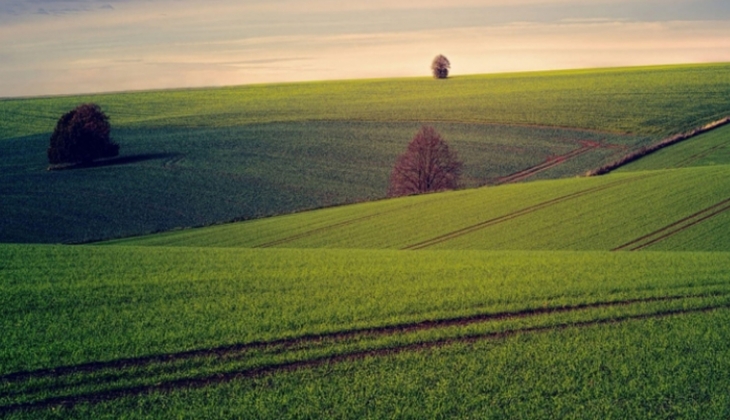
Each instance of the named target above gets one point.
<point>663,367</point>
<point>711,148</point>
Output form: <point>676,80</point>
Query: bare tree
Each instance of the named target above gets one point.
<point>440,67</point>
<point>427,165</point>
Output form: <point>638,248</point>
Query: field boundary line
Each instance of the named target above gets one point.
<point>647,150</point>
<point>220,378</point>
<point>518,213</point>
<point>676,227</point>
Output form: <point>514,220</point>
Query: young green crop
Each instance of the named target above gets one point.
<point>712,148</point>
<point>656,368</point>
<point>205,156</point>
<point>600,213</point>
<point>649,100</point>
<point>70,305</point>
<point>170,178</point>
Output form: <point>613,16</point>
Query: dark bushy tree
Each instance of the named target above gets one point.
<point>427,165</point>
<point>440,67</point>
<point>81,136</point>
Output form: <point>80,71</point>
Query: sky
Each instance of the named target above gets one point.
<point>51,47</point>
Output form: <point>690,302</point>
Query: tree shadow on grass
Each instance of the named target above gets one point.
<point>121,160</point>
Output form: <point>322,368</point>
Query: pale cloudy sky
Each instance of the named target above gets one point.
<point>75,46</point>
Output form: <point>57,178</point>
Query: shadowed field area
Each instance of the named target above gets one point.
<point>576,297</point>
<point>251,151</point>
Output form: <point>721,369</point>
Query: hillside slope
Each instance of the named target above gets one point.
<point>205,156</point>
<point>618,211</point>
<point>90,332</point>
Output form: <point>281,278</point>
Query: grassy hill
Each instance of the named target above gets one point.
<point>204,156</point>
<point>497,302</point>
<point>93,332</point>
<point>643,100</point>
<point>621,211</point>
<point>201,330</point>
<point>710,149</point>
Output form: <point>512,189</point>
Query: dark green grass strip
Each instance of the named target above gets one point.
<point>108,377</point>
<point>676,227</point>
<point>519,213</point>
<point>203,381</point>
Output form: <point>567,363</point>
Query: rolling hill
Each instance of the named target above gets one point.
<point>521,300</point>
<point>205,156</point>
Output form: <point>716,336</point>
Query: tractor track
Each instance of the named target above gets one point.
<point>329,227</point>
<point>527,210</point>
<point>315,231</point>
<point>676,227</point>
<point>701,154</point>
<point>548,164</point>
<point>238,350</point>
<point>587,146</point>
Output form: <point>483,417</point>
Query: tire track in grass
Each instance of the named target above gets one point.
<point>331,227</point>
<point>522,212</point>
<point>315,231</point>
<point>229,353</point>
<point>701,155</point>
<point>676,227</point>
<point>548,164</point>
<point>518,176</point>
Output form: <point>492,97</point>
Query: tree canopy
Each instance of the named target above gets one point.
<point>440,67</point>
<point>427,165</point>
<point>81,136</point>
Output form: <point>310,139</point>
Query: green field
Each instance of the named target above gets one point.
<point>179,177</point>
<point>523,300</point>
<point>204,156</point>
<point>137,326</point>
<point>599,213</point>
<point>659,100</point>
<point>633,369</point>
<point>709,149</point>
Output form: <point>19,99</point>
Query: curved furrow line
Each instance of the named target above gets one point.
<point>204,381</point>
<point>548,164</point>
<point>338,336</point>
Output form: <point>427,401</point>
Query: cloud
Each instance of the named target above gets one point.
<point>511,47</point>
